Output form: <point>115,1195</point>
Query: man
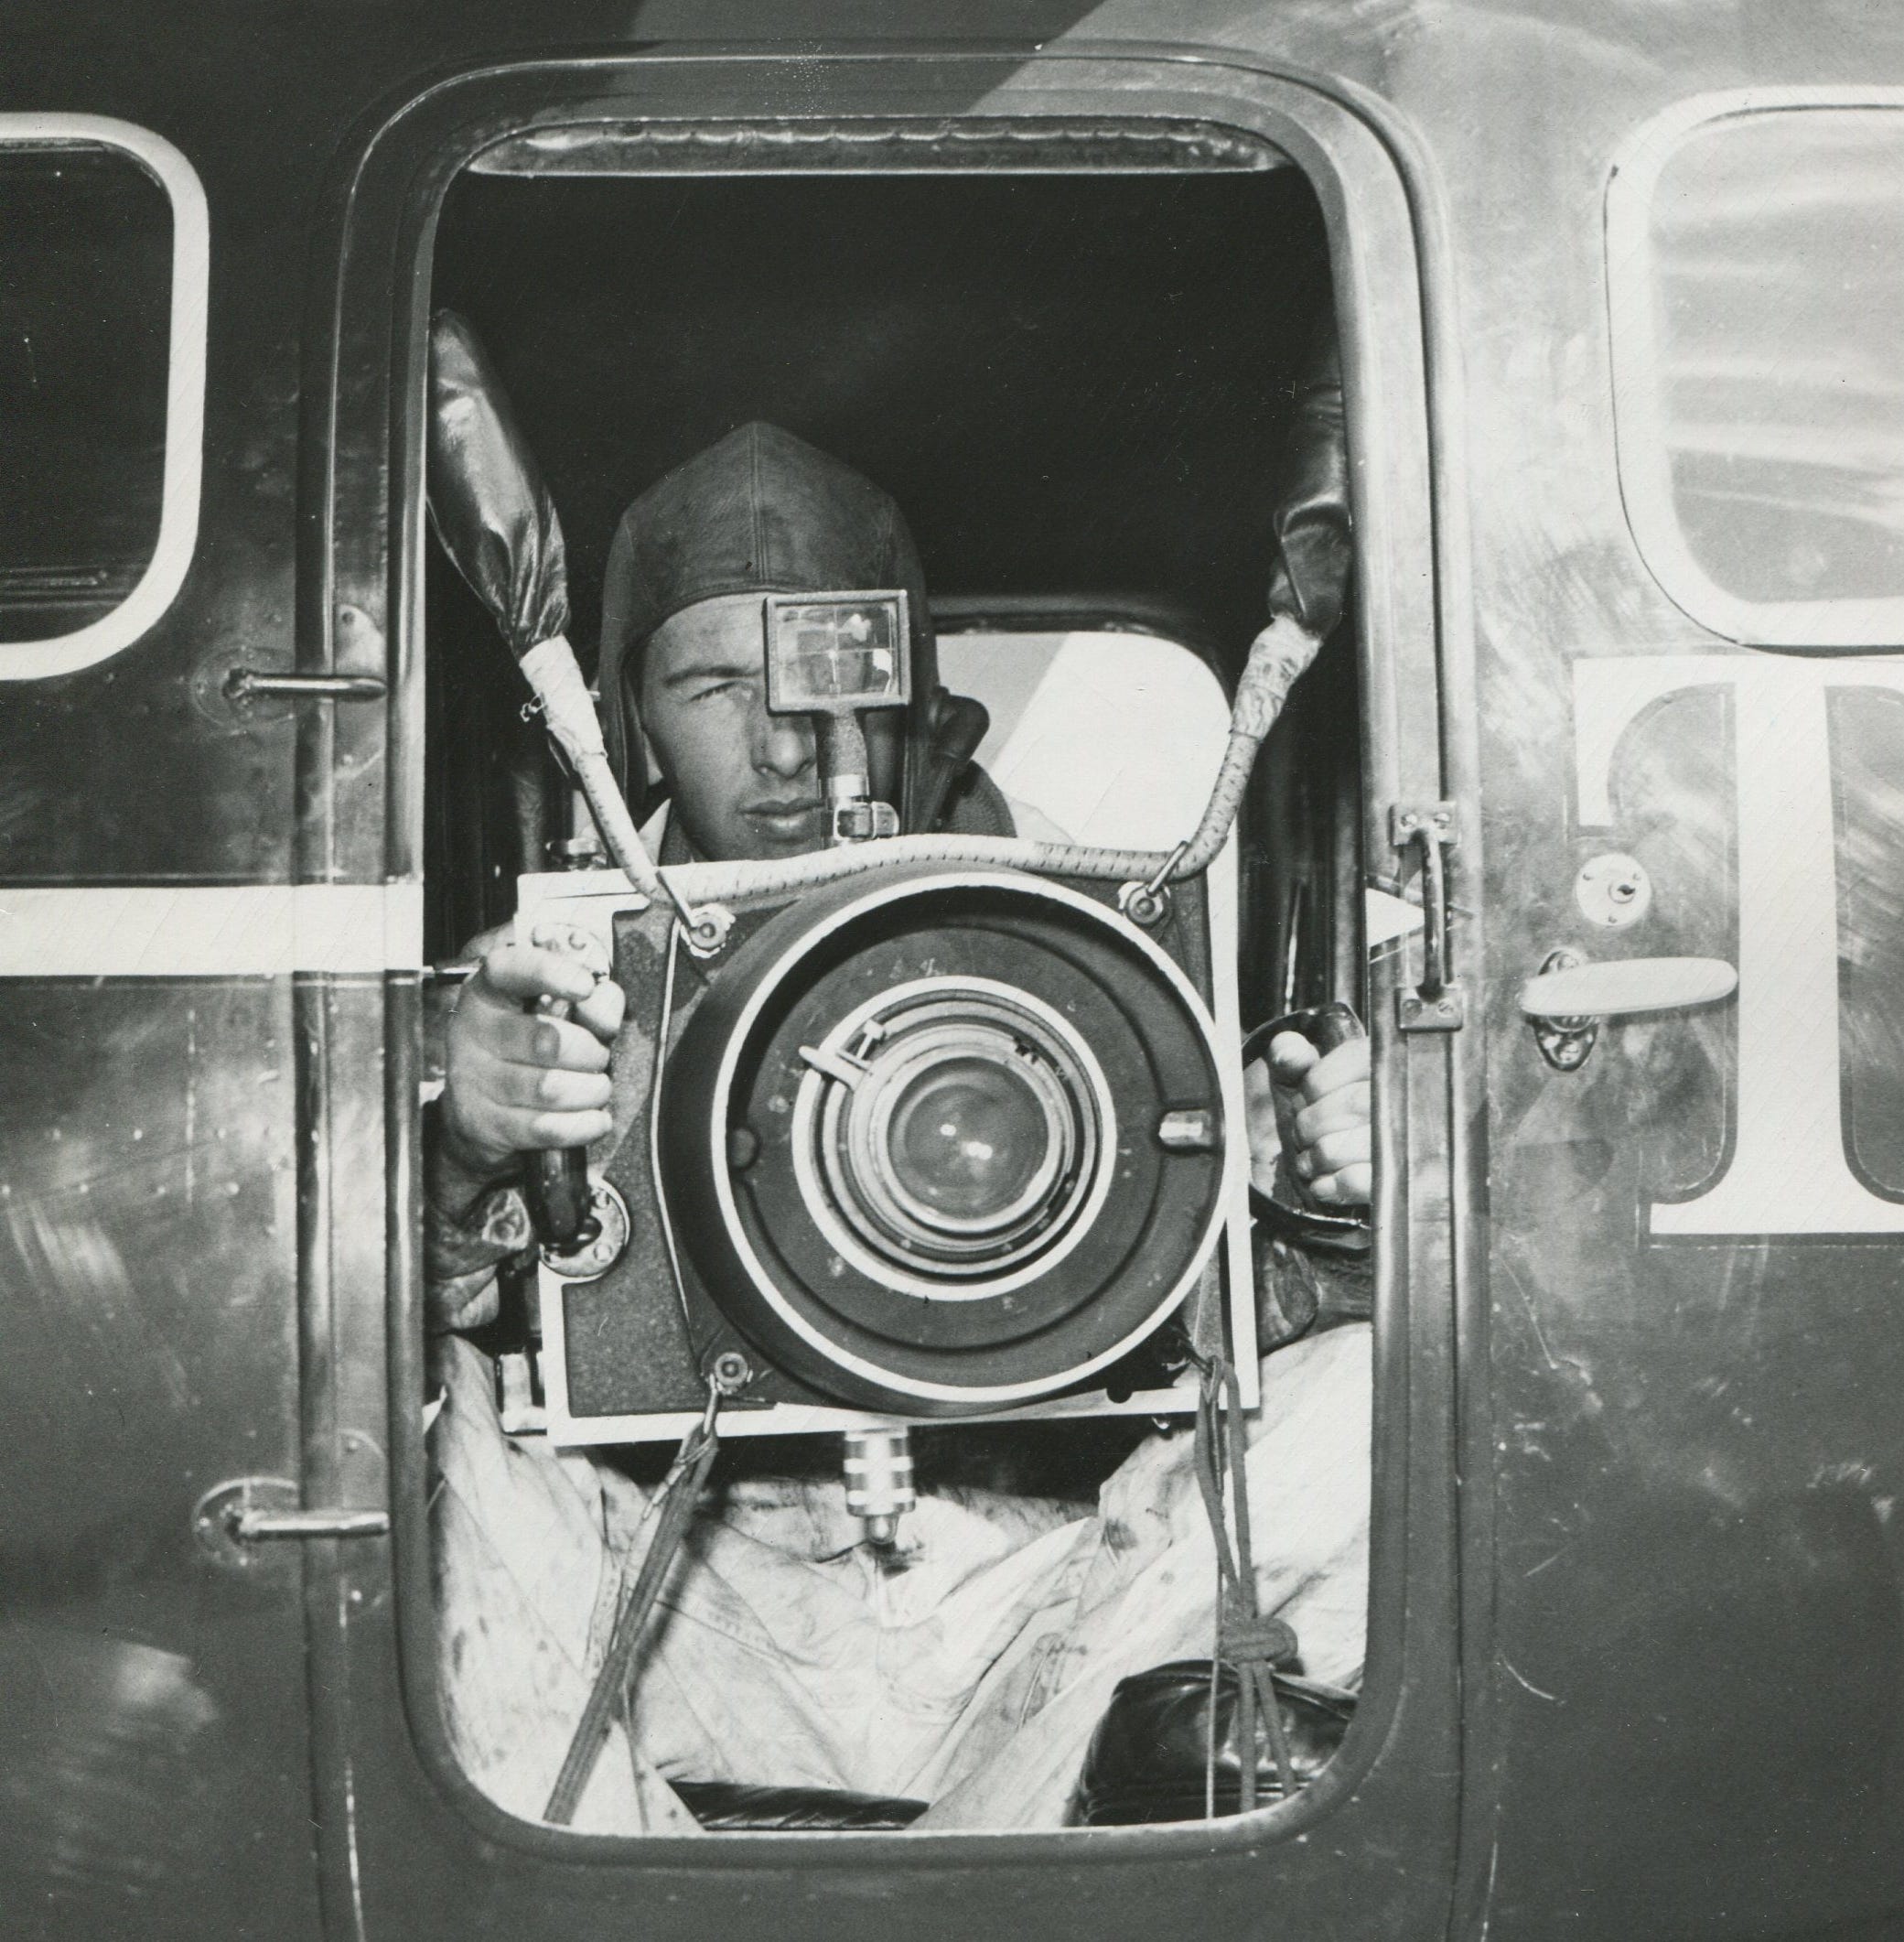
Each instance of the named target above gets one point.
<point>785,1653</point>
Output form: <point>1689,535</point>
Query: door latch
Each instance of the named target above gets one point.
<point>1569,999</point>
<point>1438,1003</point>
<point>232,1519</point>
<point>247,683</point>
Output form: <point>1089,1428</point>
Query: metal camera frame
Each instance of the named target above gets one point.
<point>596,899</point>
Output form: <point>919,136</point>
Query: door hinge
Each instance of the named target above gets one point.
<point>1438,1003</point>
<point>236,1516</point>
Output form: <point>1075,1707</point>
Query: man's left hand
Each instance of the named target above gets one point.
<point>1333,1156</point>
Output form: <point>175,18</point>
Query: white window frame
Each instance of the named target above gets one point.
<point>1639,418</point>
<point>185,398</point>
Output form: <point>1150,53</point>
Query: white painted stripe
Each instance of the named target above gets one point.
<point>246,930</point>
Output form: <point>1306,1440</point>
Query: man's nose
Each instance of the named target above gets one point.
<point>783,744</point>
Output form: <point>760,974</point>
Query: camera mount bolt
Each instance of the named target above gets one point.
<point>730,1372</point>
<point>1147,904</point>
<point>706,934</point>
<point>878,1468</point>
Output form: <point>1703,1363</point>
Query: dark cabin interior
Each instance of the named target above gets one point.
<point>1077,384</point>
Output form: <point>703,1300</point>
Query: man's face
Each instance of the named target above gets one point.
<point>745,784</point>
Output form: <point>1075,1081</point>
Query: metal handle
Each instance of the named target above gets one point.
<point>561,1200</point>
<point>251,1524</point>
<point>1438,1003</point>
<point>247,683</point>
<point>234,1518</point>
<point>1625,986</point>
<point>1434,983</point>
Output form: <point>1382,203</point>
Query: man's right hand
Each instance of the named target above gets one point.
<point>515,1082</point>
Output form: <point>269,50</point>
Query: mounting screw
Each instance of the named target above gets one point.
<point>706,935</point>
<point>730,1372</point>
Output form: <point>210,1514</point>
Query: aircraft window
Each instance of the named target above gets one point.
<point>102,288</point>
<point>1755,262</point>
<point>1076,382</point>
<point>1113,737</point>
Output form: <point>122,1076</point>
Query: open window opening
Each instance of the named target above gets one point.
<point>1074,361</point>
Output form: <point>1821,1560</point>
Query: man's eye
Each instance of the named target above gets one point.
<point>735,686</point>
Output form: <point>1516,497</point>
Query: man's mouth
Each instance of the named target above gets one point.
<point>787,821</point>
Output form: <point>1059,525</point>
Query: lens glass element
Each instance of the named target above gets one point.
<point>969,1138</point>
<point>951,1128</point>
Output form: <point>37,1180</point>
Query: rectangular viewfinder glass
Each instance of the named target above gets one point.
<point>830,652</point>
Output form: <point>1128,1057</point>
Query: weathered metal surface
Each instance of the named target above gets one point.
<point>1679,1445</point>
<point>153,1758</point>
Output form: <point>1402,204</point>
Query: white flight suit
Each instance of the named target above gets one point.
<point>785,1652</point>
<point>970,1671</point>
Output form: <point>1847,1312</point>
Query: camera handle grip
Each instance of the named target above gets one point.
<point>560,1199</point>
<point>1324,1025</point>
<point>1304,1218</point>
<point>557,1184</point>
<point>1333,1024</point>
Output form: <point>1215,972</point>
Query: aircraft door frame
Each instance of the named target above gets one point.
<point>408,1846</point>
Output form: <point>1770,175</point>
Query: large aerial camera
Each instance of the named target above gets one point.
<point>913,1128</point>
<point>930,1141</point>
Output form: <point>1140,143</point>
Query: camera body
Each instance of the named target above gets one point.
<point>919,1145</point>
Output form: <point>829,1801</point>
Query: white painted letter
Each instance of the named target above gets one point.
<point>1788,1173</point>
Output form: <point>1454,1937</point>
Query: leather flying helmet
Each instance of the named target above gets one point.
<point>764,512</point>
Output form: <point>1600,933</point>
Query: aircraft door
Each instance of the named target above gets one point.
<point>411,1847</point>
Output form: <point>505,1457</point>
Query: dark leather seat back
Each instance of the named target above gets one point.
<point>1146,1759</point>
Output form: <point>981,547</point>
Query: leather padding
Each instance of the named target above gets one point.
<point>1146,1761</point>
<point>730,1807</point>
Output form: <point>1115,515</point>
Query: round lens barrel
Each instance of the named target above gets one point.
<point>911,1143</point>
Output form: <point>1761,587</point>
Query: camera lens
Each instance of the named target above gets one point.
<point>914,1143</point>
<point>954,1128</point>
<point>968,1138</point>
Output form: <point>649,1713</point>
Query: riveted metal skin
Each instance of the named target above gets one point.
<point>1635,1673</point>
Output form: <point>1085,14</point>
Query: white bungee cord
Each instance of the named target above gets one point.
<point>1278,658</point>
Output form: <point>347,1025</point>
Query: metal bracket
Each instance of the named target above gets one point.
<point>1438,1003</point>
<point>589,1260</point>
<point>518,1398</point>
<point>863,821</point>
<point>1147,904</point>
<point>231,1517</point>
